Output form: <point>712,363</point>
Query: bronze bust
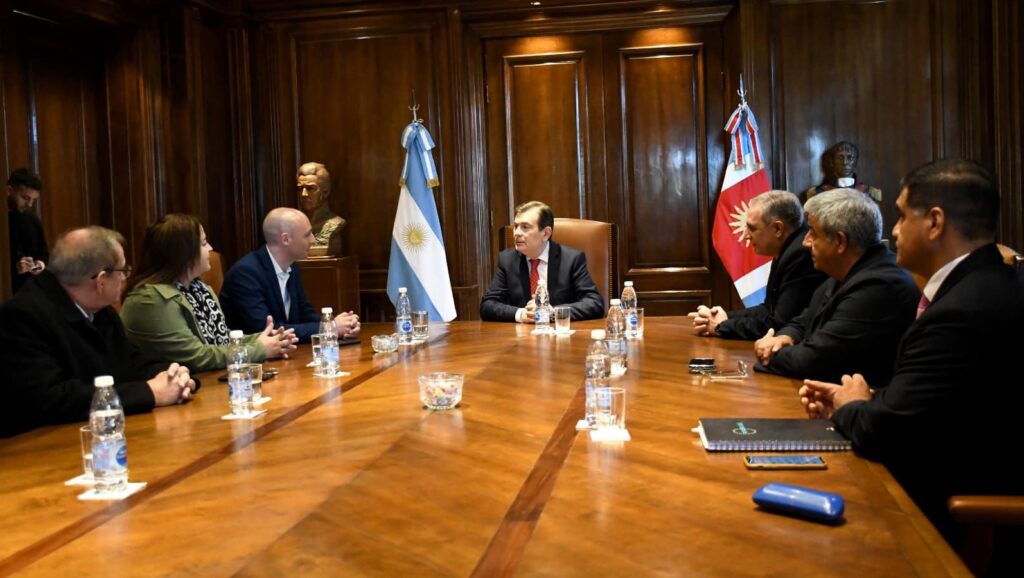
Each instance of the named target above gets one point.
<point>313,186</point>
<point>840,163</point>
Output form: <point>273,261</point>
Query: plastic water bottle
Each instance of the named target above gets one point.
<point>617,348</point>
<point>239,379</point>
<point>542,312</point>
<point>109,447</point>
<point>629,309</point>
<point>403,317</point>
<point>329,363</point>
<point>596,370</point>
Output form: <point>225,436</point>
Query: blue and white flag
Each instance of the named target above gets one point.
<point>417,248</point>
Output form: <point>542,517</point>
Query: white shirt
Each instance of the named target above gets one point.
<point>282,280</point>
<point>933,285</point>
<point>542,273</point>
<point>84,312</point>
<point>845,182</point>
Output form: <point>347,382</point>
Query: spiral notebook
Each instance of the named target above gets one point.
<point>736,434</point>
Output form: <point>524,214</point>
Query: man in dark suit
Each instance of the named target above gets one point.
<point>267,282</point>
<point>948,421</point>
<point>60,332</point>
<point>857,317</point>
<point>776,229</point>
<point>29,253</point>
<point>536,256</point>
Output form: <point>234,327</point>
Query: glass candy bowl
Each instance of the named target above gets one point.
<point>441,390</point>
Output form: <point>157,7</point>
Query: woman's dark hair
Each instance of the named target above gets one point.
<point>169,249</point>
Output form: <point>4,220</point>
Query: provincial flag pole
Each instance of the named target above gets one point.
<point>745,178</point>
<point>418,258</point>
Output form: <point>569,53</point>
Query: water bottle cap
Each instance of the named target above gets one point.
<point>403,290</point>
<point>327,310</point>
<point>104,380</point>
<point>629,283</point>
<point>236,334</point>
<point>597,334</point>
<point>616,302</point>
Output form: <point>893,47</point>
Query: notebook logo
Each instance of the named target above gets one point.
<point>742,430</point>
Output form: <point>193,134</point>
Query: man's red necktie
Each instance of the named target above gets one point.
<point>922,305</point>
<point>534,275</point>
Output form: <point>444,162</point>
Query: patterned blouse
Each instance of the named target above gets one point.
<point>213,329</point>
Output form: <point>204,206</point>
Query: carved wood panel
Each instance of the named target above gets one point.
<point>341,96</point>
<point>882,83</point>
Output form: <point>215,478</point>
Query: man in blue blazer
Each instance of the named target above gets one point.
<point>267,282</point>
<point>536,256</point>
<point>948,421</point>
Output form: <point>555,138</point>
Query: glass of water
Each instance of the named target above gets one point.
<point>611,407</point>
<point>85,436</point>
<point>256,376</point>
<point>315,341</point>
<point>420,325</point>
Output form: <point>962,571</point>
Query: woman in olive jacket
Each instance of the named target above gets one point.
<point>169,312</point>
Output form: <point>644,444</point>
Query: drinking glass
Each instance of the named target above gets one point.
<point>85,436</point>
<point>420,325</point>
<point>256,376</point>
<point>563,319</point>
<point>639,322</point>
<point>315,342</point>
<point>611,407</point>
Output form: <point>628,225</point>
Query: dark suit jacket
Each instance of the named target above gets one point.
<point>949,420</point>
<point>791,283</point>
<point>51,353</point>
<point>251,292</point>
<point>25,234</point>
<point>569,283</point>
<point>853,326</point>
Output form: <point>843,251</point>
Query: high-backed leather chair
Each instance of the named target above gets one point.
<point>215,276</point>
<point>597,240</point>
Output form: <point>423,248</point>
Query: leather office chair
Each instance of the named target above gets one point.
<point>215,276</point>
<point>981,515</point>
<point>597,240</point>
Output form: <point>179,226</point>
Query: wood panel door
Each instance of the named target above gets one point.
<point>621,127</point>
<point>545,125</point>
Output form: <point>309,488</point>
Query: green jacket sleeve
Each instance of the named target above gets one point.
<point>159,319</point>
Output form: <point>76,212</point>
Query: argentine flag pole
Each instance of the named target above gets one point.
<point>417,248</point>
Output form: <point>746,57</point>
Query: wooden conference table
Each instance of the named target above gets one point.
<point>350,476</point>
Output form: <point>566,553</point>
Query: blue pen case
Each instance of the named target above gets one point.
<point>801,502</point>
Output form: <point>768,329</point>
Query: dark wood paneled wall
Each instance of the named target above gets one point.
<point>606,110</point>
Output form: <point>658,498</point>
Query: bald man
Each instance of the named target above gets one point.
<point>267,282</point>
<point>60,332</point>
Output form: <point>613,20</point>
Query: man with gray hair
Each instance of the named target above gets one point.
<point>60,332</point>
<point>267,282</point>
<point>775,228</point>
<point>856,318</point>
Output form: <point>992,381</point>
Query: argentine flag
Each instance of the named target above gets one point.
<point>417,249</point>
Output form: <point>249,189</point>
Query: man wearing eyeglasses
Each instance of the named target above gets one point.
<point>60,332</point>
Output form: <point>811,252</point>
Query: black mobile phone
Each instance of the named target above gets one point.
<point>785,462</point>
<point>702,365</point>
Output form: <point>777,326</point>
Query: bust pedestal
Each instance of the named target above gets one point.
<point>332,282</point>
